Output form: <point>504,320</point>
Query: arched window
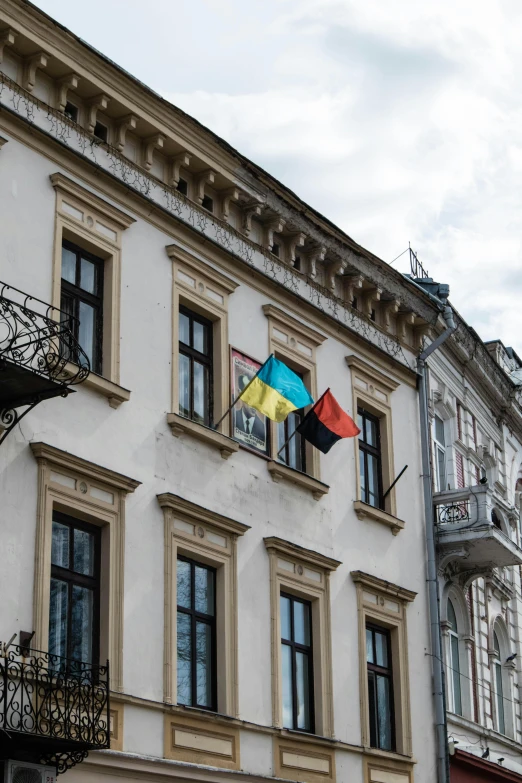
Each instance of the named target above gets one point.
<point>454,662</point>
<point>498,685</point>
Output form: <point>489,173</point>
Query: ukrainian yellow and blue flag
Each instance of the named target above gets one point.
<point>276,391</point>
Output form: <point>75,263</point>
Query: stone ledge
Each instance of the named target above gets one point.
<point>365,511</point>
<point>280,472</point>
<point>115,394</point>
<point>182,426</point>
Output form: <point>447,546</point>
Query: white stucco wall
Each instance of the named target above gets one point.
<point>136,441</point>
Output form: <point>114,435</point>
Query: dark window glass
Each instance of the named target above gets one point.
<point>182,186</point>
<point>196,634</point>
<point>380,688</point>
<point>294,453</point>
<point>71,111</point>
<point>101,131</point>
<point>297,263</point>
<point>499,690</point>
<point>195,367</point>
<point>74,616</point>
<point>82,298</point>
<point>370,468</point>
<point>208,203</point>
<point>297,663</point>
<point>276,249</point>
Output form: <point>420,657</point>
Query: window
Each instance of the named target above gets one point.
<point>276,249</point>
<point>196,634</point>
<point>84,222</point>
<point>182,186</point>
<point>297,665</point>
<point>208,203</point>
<point>439,446</point>
<point>302,685</point>
<point>454,661</point>
<point>370,458</point>
<point>383,663</point>
<point>195,367</point>
<point>74,609</point>
<point>88,491</point>
<point>380,688</point>
<point>82,298</point>
<point>101,131</point>
<point>294,452</point>
<point>200,641</point>
<point>498,686</point>
<point>71,111</point>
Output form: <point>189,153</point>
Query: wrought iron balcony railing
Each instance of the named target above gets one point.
<point>40,357</point>
<point>474,530</point>
<point>52,710</point>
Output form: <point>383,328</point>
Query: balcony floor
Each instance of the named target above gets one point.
<point>487,546</point>
<point>21,386</point>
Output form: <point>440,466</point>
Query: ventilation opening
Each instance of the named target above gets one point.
<point>182,186</point>
<point>26,775</point>
<point>100,131</point>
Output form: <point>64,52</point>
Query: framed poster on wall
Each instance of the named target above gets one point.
<point>248,426</point>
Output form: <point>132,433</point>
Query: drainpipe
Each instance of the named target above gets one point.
<point>439,692</point>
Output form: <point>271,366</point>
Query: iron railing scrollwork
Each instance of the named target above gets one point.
<point>40,339</point>
<point>453,513</point>
<point>58,703</point>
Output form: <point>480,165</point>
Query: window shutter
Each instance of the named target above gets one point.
<point>460,470</point>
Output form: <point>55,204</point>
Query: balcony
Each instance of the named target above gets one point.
<point>52,710</point>
<point>473,532</point>
<point>39,356</point>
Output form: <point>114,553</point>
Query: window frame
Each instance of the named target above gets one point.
<point>90,492</point>
<point>210,539</point>
<point>500,713</point>
<point>304,574</point>
<point>283,426</point>
<point>78,294</point>
<point>369,450</point>
<point>309,650</point>
<point>206,360</point>
<point>387,672</point>
<point>439,449</point>
<point>210,620</point>
<point>96,227</point>
<point>454,680</point>
<point>384,605</point>
<point>72,578</point>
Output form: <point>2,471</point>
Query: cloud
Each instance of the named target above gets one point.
<point>396,119</point>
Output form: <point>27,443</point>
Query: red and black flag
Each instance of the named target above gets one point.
<point>326,423</point>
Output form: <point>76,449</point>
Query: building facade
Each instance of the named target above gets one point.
<point>262,615</point>
<point>476,438</point>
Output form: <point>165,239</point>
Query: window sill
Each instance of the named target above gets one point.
<point>280,472</point>
<point>392,755</point>
<point>364,511</point>
<point>182,426</point>
<point>115,394</point>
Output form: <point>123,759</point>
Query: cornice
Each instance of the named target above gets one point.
<point>278,315</point>
<point>288,549</point>
<point>188,259</point>
<point>43,453</point>
<point>198,514</point>
<point>374,583</point>
<point>66,185</point>
<point>354,362</point>
<point>165,221</point>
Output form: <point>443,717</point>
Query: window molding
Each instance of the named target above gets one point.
<point>296,344</point>
<point>372,390</point>
<point>200,533</point>
<point>92,223</point>
<point>204,290</point>
<point>97,495</point>
<point>384,604</point>
<point>306,574</point>
<point>466,648</point>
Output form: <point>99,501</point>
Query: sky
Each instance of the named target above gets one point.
<point>399,120</point>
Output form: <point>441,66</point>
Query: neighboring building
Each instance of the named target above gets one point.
<point>261,618</point>
<point>476,436</point>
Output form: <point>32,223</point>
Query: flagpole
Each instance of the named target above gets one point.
<point>215,426</point>
<point>285,444</point>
